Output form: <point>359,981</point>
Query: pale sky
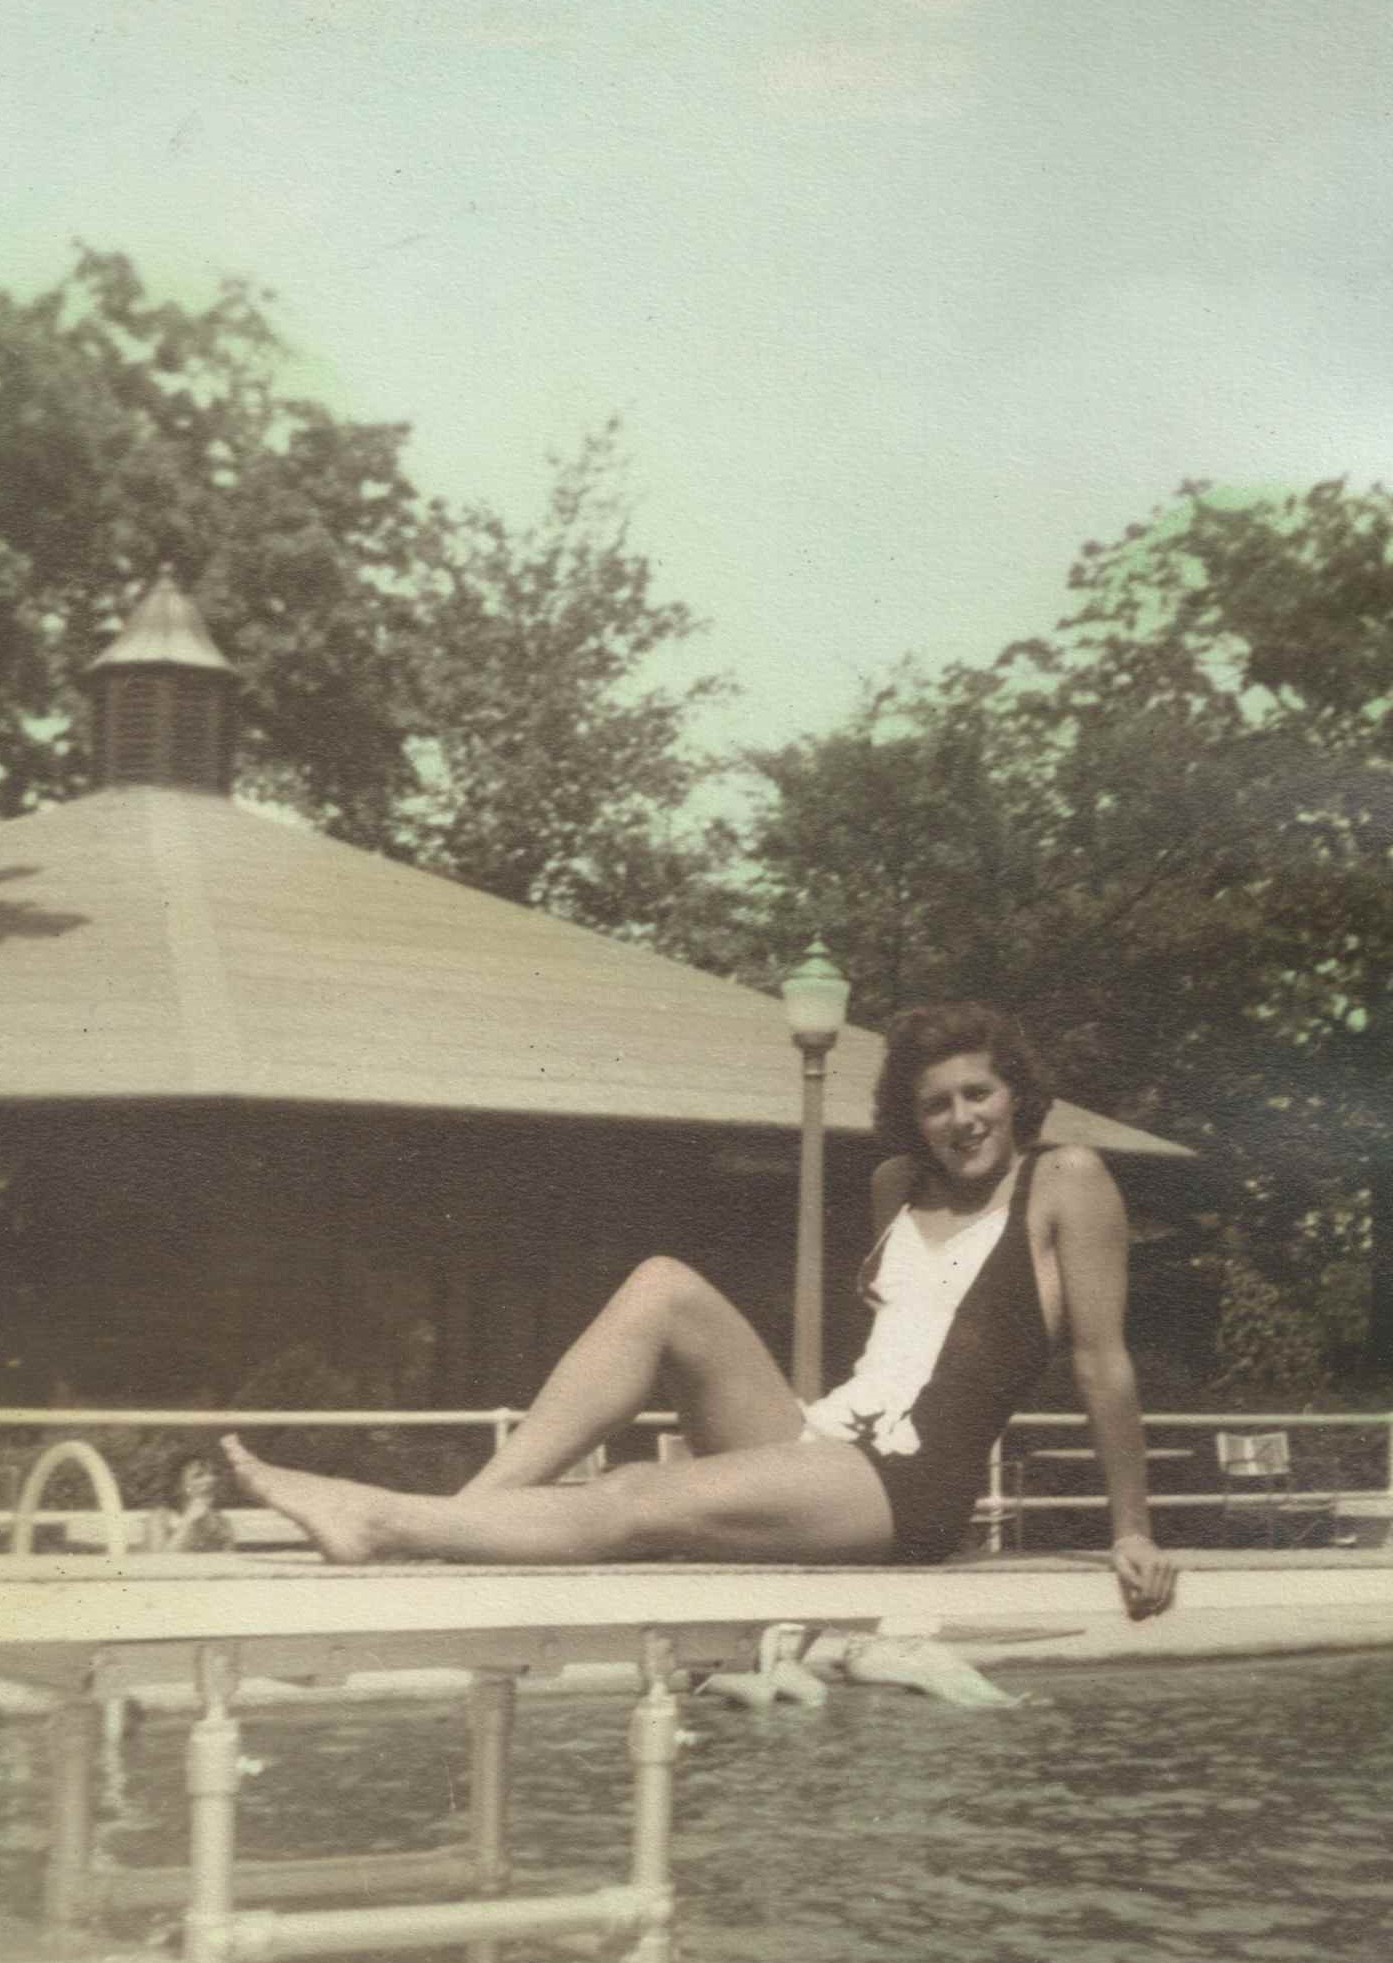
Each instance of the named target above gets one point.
<point>899,300</point>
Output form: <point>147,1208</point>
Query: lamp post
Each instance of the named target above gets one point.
<point>815,998</point>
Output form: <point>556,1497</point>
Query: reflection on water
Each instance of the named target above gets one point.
<point>1229,1813</point>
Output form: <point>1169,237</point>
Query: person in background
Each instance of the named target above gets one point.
<point>191,1522</point>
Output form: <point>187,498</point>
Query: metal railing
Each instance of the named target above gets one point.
<point>996,1505</point>
<point>1216,1421</point>
<point>1008,1469</point>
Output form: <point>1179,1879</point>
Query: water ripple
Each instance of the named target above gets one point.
<point>1202,1814</point>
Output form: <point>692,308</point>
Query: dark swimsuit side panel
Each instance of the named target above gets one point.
<point>995,1352</point>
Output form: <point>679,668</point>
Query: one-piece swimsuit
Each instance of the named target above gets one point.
<point>987,1365</point>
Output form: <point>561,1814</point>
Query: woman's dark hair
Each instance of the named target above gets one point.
<point>920,1037</point>
<point>174,1479</point>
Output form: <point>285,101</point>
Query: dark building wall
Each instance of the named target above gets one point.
<point>196,1255</point>
<point>169,1257</point>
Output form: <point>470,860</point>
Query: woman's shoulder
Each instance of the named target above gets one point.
<point>1072,1180</point>
<point>1067,1176</point>
<point>892,1182</point>
<point>901,1172</point>
<point>1071,1160</point>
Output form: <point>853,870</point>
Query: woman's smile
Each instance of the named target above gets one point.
<point>966,1116</point>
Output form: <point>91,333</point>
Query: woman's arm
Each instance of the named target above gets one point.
<point>1090,1238</point>
<point>180,1526</point>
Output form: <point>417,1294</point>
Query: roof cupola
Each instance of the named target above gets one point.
<point>163,697</point>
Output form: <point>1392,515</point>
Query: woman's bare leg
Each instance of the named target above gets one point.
<point>753,1492</point>
<point>781,1502</point>
<point>668,1330</point>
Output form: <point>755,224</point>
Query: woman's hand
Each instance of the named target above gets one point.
<point>1145,1575</point>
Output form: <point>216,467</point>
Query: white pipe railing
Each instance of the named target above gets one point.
<point>1241,1421</point>
<point>34,1417</point>
<point>70,1451</point>
<point>129,1417</point>
<point>502,1419</point>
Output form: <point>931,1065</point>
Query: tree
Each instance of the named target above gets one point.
<point>1162,834</point>
<point>890,836</point>
<point>1250,642</point>
<point>551,771</point>
<point>133,434</point>
<point>420,682</point>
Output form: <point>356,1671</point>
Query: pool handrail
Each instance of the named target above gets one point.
<point>996,1505</point>
<point>70,1451</point>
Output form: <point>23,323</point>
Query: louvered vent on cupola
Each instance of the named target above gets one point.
<point>163,698</point>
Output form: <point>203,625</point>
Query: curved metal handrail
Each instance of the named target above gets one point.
<point>71,1451</point>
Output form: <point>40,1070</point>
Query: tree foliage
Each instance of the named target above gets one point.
<point>134,434</point>
<point>426,683</point>
<point>1216,728</point>
<point>1162,834</point>
<point>536,706</point>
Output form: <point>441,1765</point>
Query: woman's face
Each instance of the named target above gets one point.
<point>197,1481</point>
<point>966,1115</point>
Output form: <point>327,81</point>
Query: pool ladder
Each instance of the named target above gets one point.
<point>71,1451</point>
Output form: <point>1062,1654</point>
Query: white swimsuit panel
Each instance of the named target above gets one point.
<point>917,1290</point>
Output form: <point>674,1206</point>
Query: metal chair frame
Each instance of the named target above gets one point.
<point>1263,1458</point>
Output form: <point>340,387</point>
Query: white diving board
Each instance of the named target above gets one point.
<point>93,1629</point>
<point>90,1602</point>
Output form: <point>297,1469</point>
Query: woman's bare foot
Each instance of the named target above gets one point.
<point>344,1520</point>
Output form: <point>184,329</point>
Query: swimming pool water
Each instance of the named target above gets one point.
<point>1233,1813</point>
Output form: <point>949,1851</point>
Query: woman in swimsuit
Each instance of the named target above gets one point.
<point>991,1251</point>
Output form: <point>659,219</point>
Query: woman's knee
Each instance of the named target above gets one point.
<point>665,1289</point>
<point>632,1519</point>
<point>696,1334</point>
<point>663,1278</point>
